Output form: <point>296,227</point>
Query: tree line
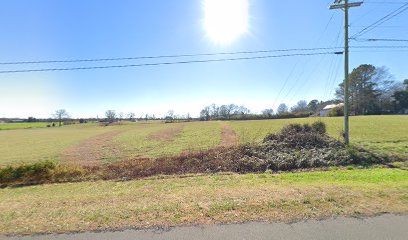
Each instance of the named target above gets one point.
<point>373,91</point>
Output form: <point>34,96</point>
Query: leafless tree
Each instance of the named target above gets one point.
<point>110,116</point>
<point>267,112</point>
<point>205,114</point>
<point>60,115</point>
<point>131,116</point>
<point>170,116</point>
<point>283,108</point>
<point>300,107</point>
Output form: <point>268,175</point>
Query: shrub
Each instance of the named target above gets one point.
<point>319,127</point>
<point>28,172</point>
<point>336,112</point>
<point>42,172</point>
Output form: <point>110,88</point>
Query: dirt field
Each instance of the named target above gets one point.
<point>228,136</point>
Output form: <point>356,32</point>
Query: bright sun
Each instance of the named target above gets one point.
<point>225,20</point>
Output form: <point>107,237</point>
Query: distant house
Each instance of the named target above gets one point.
<point>325,111</point>
<point>17,120</point>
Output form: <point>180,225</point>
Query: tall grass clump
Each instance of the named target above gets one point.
<point>41,172</point>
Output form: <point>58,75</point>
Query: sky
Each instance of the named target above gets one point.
<point>44,30</point>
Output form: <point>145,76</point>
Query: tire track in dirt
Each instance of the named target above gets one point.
<point>94,150</point>
<point>228,136</point>
<point>168,134</point>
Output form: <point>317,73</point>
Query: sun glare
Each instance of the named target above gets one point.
<point>225,20</point>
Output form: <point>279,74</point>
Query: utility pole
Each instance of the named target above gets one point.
<point>345,7</point>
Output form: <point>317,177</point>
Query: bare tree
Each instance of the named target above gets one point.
<point>131,116</point>
<point>282,109</point>
<point>300,107</point>
<point>214,111</point>
<point>205,114</point>
<point>267,112</point>
<point>241,110</point>
<point>110,116</point>
<point>120,116</point>
<point>60,115</point>
<point>170,116</point>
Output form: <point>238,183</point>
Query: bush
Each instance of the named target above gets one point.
<point>336,112</point>
<point>319,127</point>
<point>42,172</point>
<point>28,172</point>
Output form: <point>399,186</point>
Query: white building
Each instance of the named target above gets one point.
<point>325,111</point>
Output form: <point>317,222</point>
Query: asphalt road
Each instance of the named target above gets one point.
<point>381,227</point>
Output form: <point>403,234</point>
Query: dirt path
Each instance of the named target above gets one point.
<point>167,134</point>
<point>94,151</point>
<point>228,136</point>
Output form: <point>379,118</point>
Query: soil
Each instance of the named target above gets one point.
<point>228,136</point>
<point>167,134</point>
<point>94,151</point>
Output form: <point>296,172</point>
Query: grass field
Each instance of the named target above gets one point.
<point>25,125</point>
<point>384,134</point>
<point>187,136</point>
<point>94,143</point>
<point>201,199</point>
<point>31,145</point>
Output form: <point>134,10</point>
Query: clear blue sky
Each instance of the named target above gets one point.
<point>76,29</point>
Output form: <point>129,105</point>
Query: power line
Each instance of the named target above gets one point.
<point>175,56</point>
<point>379,40</point>
<point>164,63</point>
<point>165,56</point>
<point>380,47</point>
<point>358,26</point>
<point>388,2</point>
<point>275,103</point>
<point>382,20</point>
<point>201,61</point>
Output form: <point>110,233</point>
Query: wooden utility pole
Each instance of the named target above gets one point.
<point>345,6</point>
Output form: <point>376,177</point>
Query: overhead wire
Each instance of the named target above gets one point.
<point>307,62</point>
<point>163,56</point>
<point>164,63</point>
<point>382,20</point>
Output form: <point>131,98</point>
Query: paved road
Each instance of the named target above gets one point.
<point>381,227</point>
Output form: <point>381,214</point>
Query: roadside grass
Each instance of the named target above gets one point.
<point>380,134</point>
<point>25,125</point>
<point>137,143</point>
<point>193,199</point>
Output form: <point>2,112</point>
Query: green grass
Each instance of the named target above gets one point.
<point>25,125</point>
<point>193,136</point>
<point>201,199</point>
<point>32,145</point>
<point>382,134</point>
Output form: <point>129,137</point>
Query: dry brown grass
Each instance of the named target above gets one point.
<point>167,134</point>
<point>228,136</point>
<point>94,151</point>
<point>201,200</point>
